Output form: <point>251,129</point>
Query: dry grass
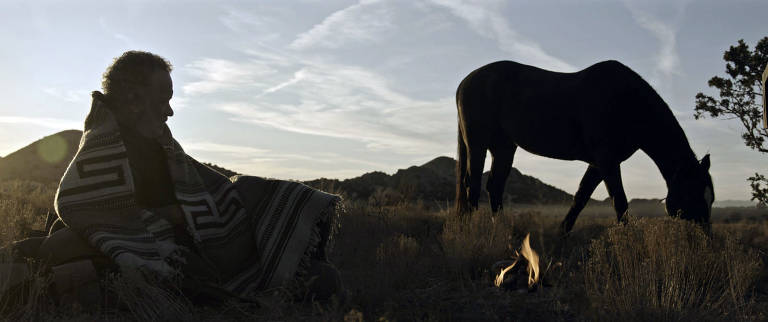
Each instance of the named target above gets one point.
<point>23,207</point>
<point>143,301</point>
<point>19,218</point>
<point>651,269</point>
<point>404,262</point>
<point>668,269</point>
<point>36,195</point>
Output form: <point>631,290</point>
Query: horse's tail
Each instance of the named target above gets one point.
<point>462,202</point>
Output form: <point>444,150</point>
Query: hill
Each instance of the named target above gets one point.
<point>734,204</point>
<point>435,181</point>
<point>44,160</point>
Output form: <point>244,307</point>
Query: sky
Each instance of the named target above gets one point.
<point>308,89</point>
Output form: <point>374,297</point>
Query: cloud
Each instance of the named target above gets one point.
<point>487,22</point>
<point>71,96</point>
<point>358,22</point>
<point>219,74</point>
<point>179,102</point>
<point>667,60</point>
<point>329,95</point>
<point>241,21</point>
<point>305,94</point>
<point>208,146</point>
<point>117,35</point>
<point>268,163</point>
<point>353,103</point>
<point>257,27</point>
<point>51,123</point>
<point>242,152</point>
<point>297,76</point>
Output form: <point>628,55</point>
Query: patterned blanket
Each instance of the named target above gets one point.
<point>257,233</point>
<point>765,99</point>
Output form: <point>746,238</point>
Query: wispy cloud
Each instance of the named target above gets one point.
<point>50,123</point>
<point>667,60</point>
<point>72,96</point>
<point>208,146</point>
<point>240,20</point>
<point>259,24</point>
<point>485,20</point>
<point>117,35</point>
<point>354,103</point>
<point>179,102</point>
<point>269,163</point>
<point>297,76</point>
<point>358,22</point>
<point>221,74</point>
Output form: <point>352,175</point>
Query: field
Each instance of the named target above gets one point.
<point>406,261</point>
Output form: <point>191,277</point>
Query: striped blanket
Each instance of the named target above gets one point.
<point>765,99</point>
<point>257,233</point>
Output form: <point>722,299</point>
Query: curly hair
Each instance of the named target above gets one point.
<point>132,68</point>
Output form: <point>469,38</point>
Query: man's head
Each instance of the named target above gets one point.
<point>138,87</point>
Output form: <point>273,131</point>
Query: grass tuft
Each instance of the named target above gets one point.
<point>667,269</point>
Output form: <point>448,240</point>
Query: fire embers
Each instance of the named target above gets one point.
<point>519,273</point>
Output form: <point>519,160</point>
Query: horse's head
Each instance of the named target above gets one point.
<point>691,193</point>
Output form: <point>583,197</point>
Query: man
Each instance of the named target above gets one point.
<point>132,196</point>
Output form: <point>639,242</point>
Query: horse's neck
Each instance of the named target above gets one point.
<point>669,149</point>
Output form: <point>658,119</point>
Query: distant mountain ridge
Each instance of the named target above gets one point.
<point>45,161</point>
<point>436,181</point>
<point>734,203</point>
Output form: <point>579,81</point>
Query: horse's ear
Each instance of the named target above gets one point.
<point>705,162</point>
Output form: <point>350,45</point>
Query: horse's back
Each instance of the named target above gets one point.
<point>550,113</point>
<point>525,77</point>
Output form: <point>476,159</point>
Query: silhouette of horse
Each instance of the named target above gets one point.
<point>600,115</point>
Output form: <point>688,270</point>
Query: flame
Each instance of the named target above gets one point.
<point>500,277</point>
<point>533,263</point>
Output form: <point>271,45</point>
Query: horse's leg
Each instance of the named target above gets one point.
<point>612,178</point>
<point>476,163</point>
<point>500,167</point>
<point>462,201</point>
<point>589,182</point>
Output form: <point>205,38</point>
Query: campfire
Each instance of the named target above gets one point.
<point>511,274</point>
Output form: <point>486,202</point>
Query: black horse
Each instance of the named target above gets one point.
<point>600,115</point>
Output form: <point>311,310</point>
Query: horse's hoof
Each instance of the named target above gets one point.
<point>624,218</point>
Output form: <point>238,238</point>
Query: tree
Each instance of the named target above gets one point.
<point>740,97</point>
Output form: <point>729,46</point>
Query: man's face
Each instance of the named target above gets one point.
<point>156,105</point>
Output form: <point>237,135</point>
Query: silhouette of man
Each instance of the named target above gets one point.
<point>138,89</point>
<point>132,199</point>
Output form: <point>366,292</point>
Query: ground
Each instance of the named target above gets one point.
<point>410,261</point>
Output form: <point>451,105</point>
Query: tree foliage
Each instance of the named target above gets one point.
<point>739,97</point>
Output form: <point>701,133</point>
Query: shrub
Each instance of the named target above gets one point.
<point>400,256</point>
<point>653,269</point>
<point>473,243</point>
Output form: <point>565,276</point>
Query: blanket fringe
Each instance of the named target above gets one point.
<point>329,217</point>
